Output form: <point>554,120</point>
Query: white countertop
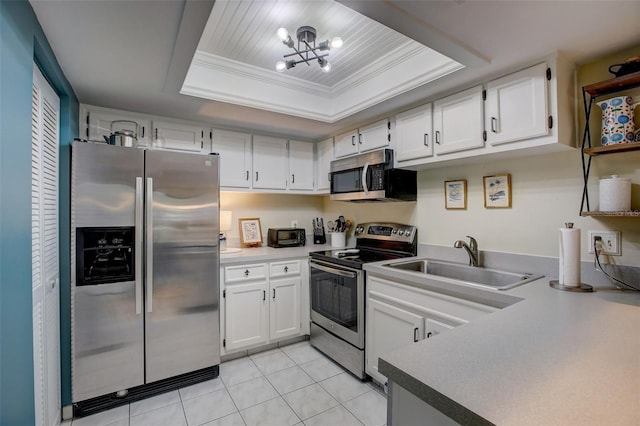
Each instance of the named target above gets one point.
<point>552,357</point>
<point>266,253</point>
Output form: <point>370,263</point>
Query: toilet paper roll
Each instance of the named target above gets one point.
<point>569,274</point>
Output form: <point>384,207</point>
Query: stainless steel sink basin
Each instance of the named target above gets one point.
<point>478,276</point>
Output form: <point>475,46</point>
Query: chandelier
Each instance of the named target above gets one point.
<point>306,51</point>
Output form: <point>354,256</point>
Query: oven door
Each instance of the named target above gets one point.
<point>337,301</point>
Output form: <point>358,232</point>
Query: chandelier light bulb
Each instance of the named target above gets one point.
<point>281,66</point>
<point>324,65</point>
<point>336,43</point>
<point>283,34</point>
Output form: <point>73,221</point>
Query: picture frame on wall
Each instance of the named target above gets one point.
<point>250,231</point>
<point>455,194</point>
<point>497,191</point>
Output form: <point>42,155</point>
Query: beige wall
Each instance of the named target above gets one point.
<point>274,210</point>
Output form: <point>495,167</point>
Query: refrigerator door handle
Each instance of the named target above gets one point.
<point>138,244</point>
<point>149,242</point>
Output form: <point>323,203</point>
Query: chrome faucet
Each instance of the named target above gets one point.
<point>471,248</point>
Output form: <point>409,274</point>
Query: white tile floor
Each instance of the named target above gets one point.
<point>292,385</point>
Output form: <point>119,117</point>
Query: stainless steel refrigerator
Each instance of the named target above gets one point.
<point>144,275</point>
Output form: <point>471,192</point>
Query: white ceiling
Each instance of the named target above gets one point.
<point>134,55</point>
<point>236,56</point>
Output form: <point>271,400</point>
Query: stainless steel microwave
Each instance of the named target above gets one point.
<point>371,177</point>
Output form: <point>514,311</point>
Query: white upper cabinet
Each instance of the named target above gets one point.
<point>458,121</point>
<point>517,106</point>
<point>100,123</point>
<point>269,162</point>
<point>301,165</point>
<point>181,137</point>
<point>235,158</point>
<point>324,157</point>
<point>374,136</point>
<point>414,133</point>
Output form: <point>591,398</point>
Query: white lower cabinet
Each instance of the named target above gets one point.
<point>389,327</point>
<point>246,315</point>
<point>262,303</point>
<point>400,315</point>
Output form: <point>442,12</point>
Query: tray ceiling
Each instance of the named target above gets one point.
<point>236,56</point>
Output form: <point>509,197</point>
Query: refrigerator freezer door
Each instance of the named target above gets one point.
<point>182,322</point>
<point>107,334</point>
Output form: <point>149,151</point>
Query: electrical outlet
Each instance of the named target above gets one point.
<point>294,223</point>
<point>611,242</point>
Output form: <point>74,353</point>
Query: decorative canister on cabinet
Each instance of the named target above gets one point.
<point>617,120</point>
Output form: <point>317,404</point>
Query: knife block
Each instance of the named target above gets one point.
<point>319,237</point>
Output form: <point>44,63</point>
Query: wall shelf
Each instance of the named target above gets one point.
<point>589,94</point>
<point>632,213</point>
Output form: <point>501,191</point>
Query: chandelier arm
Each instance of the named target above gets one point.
<point>305,51</point>
<point>311,49</point>
<point>299,62</point>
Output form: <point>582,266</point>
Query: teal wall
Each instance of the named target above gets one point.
<point>21,42</point>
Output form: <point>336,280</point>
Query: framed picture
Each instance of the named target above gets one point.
<point>250,231</point>
<point>455,194</point>
<point>497,191</point>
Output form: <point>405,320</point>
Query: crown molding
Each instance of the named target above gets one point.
<point>217,78</point>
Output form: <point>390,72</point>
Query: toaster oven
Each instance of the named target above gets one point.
<point>286,237</point>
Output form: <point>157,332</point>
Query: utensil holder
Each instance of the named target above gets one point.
<point>338,240</point>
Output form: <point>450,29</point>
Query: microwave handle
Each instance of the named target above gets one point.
<point>365,169</point>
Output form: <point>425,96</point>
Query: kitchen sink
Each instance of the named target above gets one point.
<point>472,275</point>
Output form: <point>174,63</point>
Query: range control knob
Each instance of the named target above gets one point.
<point>395,231</point>
<point>401,232</point>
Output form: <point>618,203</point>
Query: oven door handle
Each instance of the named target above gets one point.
<point>334,271</point>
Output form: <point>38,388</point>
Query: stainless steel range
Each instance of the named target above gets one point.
<point>338,289</point>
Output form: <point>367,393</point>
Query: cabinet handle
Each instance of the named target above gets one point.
<point>429,334</point>
<point>438,137</point>
<point>264,295</point>
<point>415,334</point>
<point>274,293</point>
<point>143,131</point>
<point>247,175</point>
<point>353,140</point>
<point>293,178</point>
<point>426,139</point>
<point>360,138</point>
<point>286,269</point>
<point>256,176</point>
<point>494,125</point>
<point>246,272</point>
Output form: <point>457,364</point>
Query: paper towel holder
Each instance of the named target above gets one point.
<point>582,288</point>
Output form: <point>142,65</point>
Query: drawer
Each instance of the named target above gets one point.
<point>284,268</point>
<point>239,273</point>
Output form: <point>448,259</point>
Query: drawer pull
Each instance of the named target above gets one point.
<point>429,334</point>
<point>246,272</point>
<point>286,269</point>
<point>415,334</point>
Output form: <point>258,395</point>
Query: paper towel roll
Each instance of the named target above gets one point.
<point>569,274</point>
<point>615,194</point>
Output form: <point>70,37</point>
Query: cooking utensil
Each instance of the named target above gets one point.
<point>330,225</point>
<point>123,137</point>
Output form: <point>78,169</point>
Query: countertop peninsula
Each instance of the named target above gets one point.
<point>547,357</point>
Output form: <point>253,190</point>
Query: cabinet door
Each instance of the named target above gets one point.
<point>99,125</point>
<point>301,165</point>
<point>269,162</point>
<point>324,157</point>
<point>376,135</point>
<point>235,158</point>
<point>180,137</point>
<point>246,315</point>
<point>284,309</point>
<point>517,106</point>
<point>458,121</point>
<point>388,328</point>
<point>414,133</point>
<point>347,144</point>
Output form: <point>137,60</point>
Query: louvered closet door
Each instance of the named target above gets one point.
<point>44,246</point>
